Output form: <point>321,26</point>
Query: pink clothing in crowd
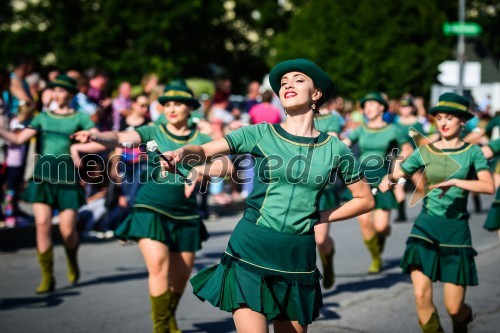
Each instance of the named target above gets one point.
<point>15,153</point>
<point>264,112</point>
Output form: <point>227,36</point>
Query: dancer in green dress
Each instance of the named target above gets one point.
<point>406,120</point>
<point>268,271</point>
<point>376,141</point>
<point>328,123</point>
<point>492,222</point>
<point>55,184</point>
<point>439,247</point>
<point>164,218</point>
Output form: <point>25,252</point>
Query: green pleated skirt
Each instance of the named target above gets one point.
<point>441,248</point>
<point>492,222</point>
<point>58,196</point>
<point>268,271</point>
<point>386,200</point>
<point>180,235</point>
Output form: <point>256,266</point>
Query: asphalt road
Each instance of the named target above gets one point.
<point>113,295</point>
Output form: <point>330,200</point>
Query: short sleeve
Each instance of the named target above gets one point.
<point>243,140</point>
<point>401,136</point>
<point>86,122</point>
<point>354,136</point>
<point>413,163</point>
<point>495,146</point>
<point>479,160</point>
<point>36,122</point>
<point>348,168</point>
<point>147,132</point>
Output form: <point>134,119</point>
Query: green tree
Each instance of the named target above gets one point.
<point>366,45</point>
<point>129,38</point>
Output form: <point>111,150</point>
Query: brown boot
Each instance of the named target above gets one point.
<point>328,268</point>
<point>433,325</point>
<point>160,312</point>
<point>173,303</point>
<point>72,263</point>
<point>46,261</point>
<point>374,249</point>
<point>463,327</point>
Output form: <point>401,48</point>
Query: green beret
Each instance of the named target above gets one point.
<point>320,78</point>
<point>453,104</point>
<point>64,81</point>
<point>177,90</point>
<point>374,96</point>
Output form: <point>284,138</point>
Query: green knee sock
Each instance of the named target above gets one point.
<point>433,325</point>
<point>374,249</point>
<point>328,268</point>
<point>173,303</point>
<point>160,312</point>
<point>72,263</point>
<point>48,282</point>
<point>463,326</point>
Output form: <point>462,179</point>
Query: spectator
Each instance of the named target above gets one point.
<point>265,111</point>
<point>121,104</point>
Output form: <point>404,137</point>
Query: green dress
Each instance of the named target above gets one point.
<point>492,222</point>
<point>270,262</point>
<point>328,123</point>
<point>375,144</point>
<point>55,180</point>
<point>405,129</point>
<point>161,211</point>
<point>440,241</point>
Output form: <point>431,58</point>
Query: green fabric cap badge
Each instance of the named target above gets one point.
<point>177,90</point>
<point>374,96</point>
<point>64,81</point>
<point>453,104</point>
<point>319,77</point>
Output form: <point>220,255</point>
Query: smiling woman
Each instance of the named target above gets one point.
<point>439,247</point>
<point>54,184</point>
<point>268,271</point>
<point>164,219</point>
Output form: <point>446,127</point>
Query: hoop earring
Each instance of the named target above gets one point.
<point>313,107</point>
<point>285,111</point>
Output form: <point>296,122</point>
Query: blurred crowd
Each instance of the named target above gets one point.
<point>110,189</point>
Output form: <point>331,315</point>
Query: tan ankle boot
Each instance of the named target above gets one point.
<point>48,282</point>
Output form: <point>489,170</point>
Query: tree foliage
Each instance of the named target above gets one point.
<point>367,45</point>
<point>393,46</point>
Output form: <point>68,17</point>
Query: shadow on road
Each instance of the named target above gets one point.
<point>382,281</point>
<point>117,278</point>
<point>327,312</point>
<point>225,326</point>
<point>50,300</point>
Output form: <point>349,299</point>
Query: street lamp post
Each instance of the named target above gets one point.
<point>461,48</point>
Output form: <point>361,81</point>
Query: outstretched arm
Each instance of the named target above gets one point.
<point>108,138</point>
<point>18,137</point>
<point>197,154</point>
